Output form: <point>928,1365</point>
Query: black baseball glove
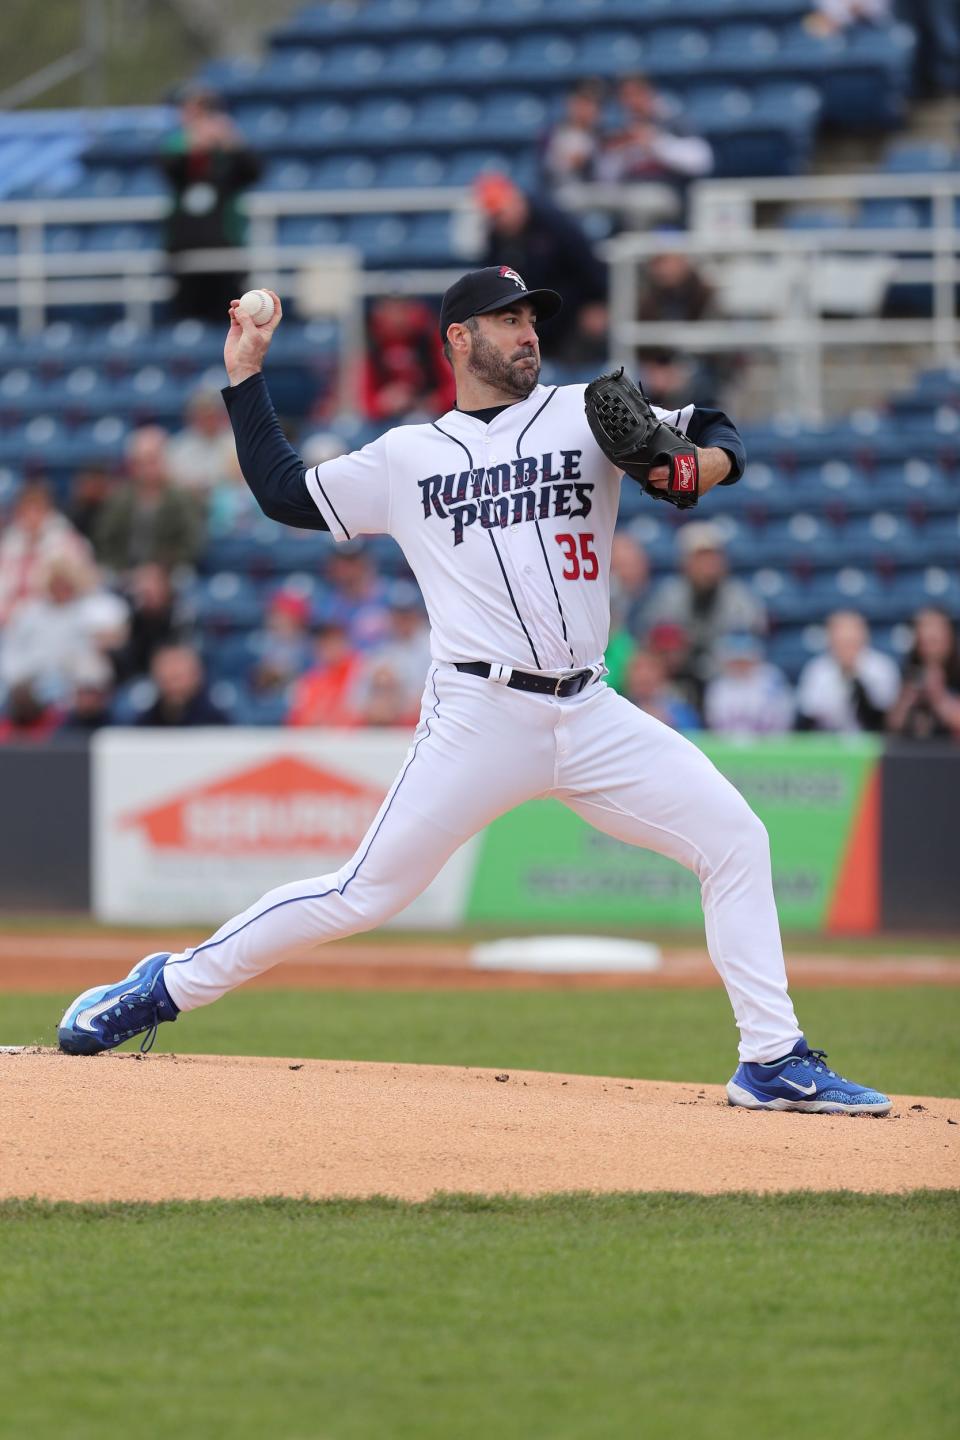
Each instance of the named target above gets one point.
<point>629,434</point>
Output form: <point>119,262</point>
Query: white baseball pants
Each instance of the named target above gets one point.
<point>478,751</point>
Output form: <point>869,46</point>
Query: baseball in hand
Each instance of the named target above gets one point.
<point>258,305</point>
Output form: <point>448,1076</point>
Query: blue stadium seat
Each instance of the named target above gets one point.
<point>455,117</point>
<point>227,601</point>
<point>612,51</point>
<point>309,230</point>
<point>251,709</point>
<point>920,157</point>
<point>343,172</point>
<point>411,169</point>
<point>316,123</point>
<point>893,215</point>
<point>421,60</point>
<point>788,599</point>
<point>933,585</point>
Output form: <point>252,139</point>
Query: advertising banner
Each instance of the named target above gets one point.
<point>196,825</point>
<point>816,795</point>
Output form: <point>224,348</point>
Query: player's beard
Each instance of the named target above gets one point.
<point>509,376</point>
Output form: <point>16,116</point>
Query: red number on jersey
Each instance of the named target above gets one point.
<point>572,568</point>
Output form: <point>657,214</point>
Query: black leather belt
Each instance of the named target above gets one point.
<point>539,684</point>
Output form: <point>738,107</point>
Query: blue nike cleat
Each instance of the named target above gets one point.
<point>801,1081</point>
<point>105,1016</point>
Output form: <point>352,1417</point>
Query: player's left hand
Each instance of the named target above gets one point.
<point>247,344</point>
<point>659,477</point>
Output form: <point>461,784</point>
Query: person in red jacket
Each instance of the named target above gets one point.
<point>326,694</point>
<point>404,371</point>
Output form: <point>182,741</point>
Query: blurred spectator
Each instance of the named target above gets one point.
<point>155,619</point>
<point>404,370</point>
<point>850,687</point>
<point>937,55</point>
<point>382,699</point>
<point>284,646</point>
<point>749,696</point>
<point>89,491</point>
<point>928,706</point>
<point>673,289</point>
<point>830,16</point>
<point>232,508</point>
<point>671,644</point>
<point>404,655</point>
<point>26,716</point>
<point>203,455</point>
<point>319,446</point>
<point>71,617</point>
<point>551,251</point>
<point>704,599</point>
<point>147,520</point>
<point>571,146</point>
<point>672,380</point>
<point>37,533</point>
<point>90,705</point>
<point>208,165</point>
<point>182,699</point>
<point>325,694</point>
<point>629,593</point>
<point>358,599</point>
<point>648,686</point>
<point>651,143</point>
<point>629,583</point>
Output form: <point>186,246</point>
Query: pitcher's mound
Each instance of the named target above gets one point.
<point>126,1127</point>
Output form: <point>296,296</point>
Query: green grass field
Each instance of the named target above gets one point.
<point>906,1040</point>
<point>570,1318</point>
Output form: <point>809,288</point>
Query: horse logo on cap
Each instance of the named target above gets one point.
<point>508,274</point>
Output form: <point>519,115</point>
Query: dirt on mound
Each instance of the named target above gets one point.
<point>131,1127</point>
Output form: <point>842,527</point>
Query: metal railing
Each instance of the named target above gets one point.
<point>795,330</point>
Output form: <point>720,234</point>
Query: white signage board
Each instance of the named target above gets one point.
<point>195,825</point>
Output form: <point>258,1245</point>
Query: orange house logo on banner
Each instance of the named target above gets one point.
<point>282,806</point>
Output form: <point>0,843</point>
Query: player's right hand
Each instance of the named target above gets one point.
<point>247,344</point>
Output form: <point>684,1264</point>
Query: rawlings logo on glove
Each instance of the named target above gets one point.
<point>631,435</point>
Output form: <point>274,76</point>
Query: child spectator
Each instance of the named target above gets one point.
<point>649,687</point>
<point>749,696</point>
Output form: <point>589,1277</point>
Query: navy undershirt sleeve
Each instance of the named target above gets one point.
<point>713,428</point>
<point>269,463</point>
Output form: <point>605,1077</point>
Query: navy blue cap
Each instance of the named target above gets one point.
<point>494,288</point>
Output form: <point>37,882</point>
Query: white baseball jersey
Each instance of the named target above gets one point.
<point>506,525</point>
